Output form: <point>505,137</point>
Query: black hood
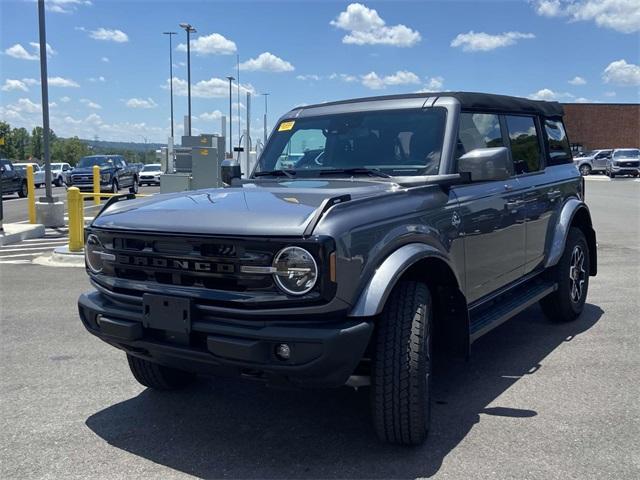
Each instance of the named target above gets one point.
<point>266,208</point>
<point>89,170</point>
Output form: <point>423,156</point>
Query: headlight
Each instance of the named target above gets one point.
<point>105,177</point>
<point>93,251</point>
<point>295,270</point>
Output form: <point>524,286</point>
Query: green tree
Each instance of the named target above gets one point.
<point>69,150</point>
<point>22,142</point>
<point>8,149</point>
<point>37,141</point>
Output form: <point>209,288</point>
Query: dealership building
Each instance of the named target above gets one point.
<point>602,125</point>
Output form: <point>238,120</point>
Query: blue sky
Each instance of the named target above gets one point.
<point>109,60</point>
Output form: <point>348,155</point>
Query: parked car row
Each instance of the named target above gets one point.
<point>611,162</point>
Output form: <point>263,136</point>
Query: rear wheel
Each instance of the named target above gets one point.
<point>134,186</point>
<point>572,277</point>
<point>157,376</point>
<point>401,376</point>
<point>114,186</point>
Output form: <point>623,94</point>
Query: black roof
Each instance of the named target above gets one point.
<point>469,101</point>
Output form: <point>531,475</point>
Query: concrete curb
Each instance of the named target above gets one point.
<point>17,232</point>
<point>61,257</point>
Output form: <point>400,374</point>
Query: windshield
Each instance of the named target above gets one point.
<point>628,153</point>
<point>151,168</point>
<point>91,161</point>
<point>398,143</point>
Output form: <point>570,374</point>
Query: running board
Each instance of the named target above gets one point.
<point>486,318</point>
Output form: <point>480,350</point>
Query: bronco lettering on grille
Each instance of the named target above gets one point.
<point>173,264</point>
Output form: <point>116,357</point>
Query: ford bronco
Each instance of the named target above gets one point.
<point>369,232</point>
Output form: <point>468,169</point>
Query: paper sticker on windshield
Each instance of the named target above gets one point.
<point>286,126</point>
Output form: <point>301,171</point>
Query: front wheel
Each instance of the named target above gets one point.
<point>401,376</point>
<point>23,192</point>
<point>585,170</point>
<point>571,274</point>
<point>157,376</point>
<point>114,186</point>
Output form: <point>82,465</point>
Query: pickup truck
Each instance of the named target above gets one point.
<point>371,232</point>
<point>38,172</point>
<point>13,179</point>
<point>115,174</point>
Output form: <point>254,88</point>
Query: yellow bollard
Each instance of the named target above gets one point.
<point>96,185</point>
<point>75,208</point>
<point>31,194</point>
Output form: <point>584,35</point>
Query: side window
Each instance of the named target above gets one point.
<point>559,148</point>
<point>604,154</point>
<point>7,166</point>
<point>525,146</point>
<point>478,130</point>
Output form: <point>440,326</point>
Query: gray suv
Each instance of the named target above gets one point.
<point>370,232</point>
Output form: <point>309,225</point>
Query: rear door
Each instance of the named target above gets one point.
<point>492,214</point>
<point>540,192</point>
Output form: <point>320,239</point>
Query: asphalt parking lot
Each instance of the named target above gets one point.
<point>536,401</point>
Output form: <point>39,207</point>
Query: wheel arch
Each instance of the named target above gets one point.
<point>423,263</point>
<point>575,213</point>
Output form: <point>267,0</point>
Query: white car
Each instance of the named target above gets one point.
<point>150,174</point>
<point>59,172</point>
<point>38,173</point>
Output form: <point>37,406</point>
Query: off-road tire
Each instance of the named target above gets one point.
<point>157,376</point>
<point>401,375</point>
<point>24,190</point>
<point>559,305</point>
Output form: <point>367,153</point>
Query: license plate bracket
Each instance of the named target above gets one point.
<point>167,313</point>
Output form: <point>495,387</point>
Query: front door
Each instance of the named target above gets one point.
<point>492,215</point>
<point>600,160</point>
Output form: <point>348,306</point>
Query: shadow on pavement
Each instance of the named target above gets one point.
<point>235,428</point>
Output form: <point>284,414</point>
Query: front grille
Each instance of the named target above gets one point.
<point>190,262</point>
<point>82,178</point>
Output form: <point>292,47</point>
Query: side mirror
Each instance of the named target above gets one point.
<point>229,169</point>
<point>486,164</point>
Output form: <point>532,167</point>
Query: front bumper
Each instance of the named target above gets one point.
<point>322,353</point>
<point>625,170</point>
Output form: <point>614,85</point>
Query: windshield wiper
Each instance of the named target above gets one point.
<point>276,173</point>
<point>356,171</point>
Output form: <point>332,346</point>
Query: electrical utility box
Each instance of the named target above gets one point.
<point>205,167</point>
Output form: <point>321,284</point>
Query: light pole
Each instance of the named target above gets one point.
<point>189,29</point>
<point>265,117</point>
<point>171,34</point>
<point>231,79</point>
<point>45,102</point>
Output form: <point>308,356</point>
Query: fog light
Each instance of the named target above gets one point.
<point>283,352</point>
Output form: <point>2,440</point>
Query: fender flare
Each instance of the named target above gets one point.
<point>374,295</point>
<point>565,220</point>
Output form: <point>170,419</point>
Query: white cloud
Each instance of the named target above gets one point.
<point>577,80</point>
<point>49,48</point>
<point>549,95</point>
<point>366,27</point>
<point>64,6</point>
<point>97,79</point>
<point>18,51</point>
<point>310,77</point>
<point>622,73</point>
<point>65,99</point>
<point>267,62</point>
<point>30,81</point>
<point>620,15</point>
<point>433,84</point>
<point>25,105</point>
<point>209,116</point>
<point>141,103</point>
<point>62,82</point>
<point>12,84</point>
<point>90,104</point>
<point>345,77</point>
<point>104,59</point>
<point>610,94</point>
<point>214,44</point>
<point>484,42</point>
<point>582,100</point>
<point>402,77</point>
<point>212,88</point>
<point>109,35</point>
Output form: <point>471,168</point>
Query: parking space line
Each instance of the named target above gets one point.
<point>23,249</point>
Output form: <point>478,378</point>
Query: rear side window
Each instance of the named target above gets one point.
<point>525,145</point>
<point>559,148</point>
<point>478,130</point>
